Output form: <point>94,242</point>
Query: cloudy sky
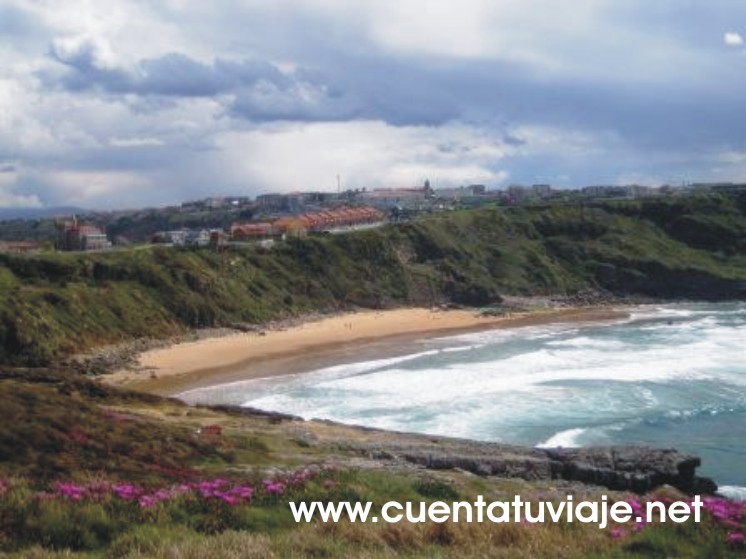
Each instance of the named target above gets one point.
<point>126,103</point>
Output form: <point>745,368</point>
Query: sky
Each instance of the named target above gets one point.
<point>132,103</point>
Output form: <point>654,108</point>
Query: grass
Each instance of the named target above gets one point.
<point>186,528</point>
<point>54,305</point>
<point>60,427</point>
<point>78,480</point>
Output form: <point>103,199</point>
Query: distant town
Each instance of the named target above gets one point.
<point>268,218</point>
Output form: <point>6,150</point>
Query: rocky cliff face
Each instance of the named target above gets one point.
<point>52,409</point>
<point>62,304</point>
<point>624,468</point>
<point>632,468</point>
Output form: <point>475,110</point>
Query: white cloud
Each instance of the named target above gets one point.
<point>365,154</point>
<point>732,157</point>
<point>585,39</point>
<point>733,39</point>
<point>12,200</point>
<point>94,188</point>
<point>135,142</point>
<point>89,51</point>
<point>9,195</point>
<point>585,87</point>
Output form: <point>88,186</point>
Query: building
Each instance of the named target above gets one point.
<point>251,231</point>
<point>197,238</point>
<point>290,226</point>
<point>627,191</point>
<point>20,247</point>
<point>176,238</point>
<point>281,203</point>
<point>218,238</point>
<point>459,192</point>
<point>338,219</point>
<point>400,198</point>
<point>75,236</point>
<point>342,218</point>
<point>541,190</point>
<point>271,202</point>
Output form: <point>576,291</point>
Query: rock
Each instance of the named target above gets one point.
<point>632,468</point>
<point>272,416</point>
<point>621,468</point>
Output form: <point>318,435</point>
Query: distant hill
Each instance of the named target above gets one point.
<point>140,225</point>
<point>670,248</point>
<point>39,213</point>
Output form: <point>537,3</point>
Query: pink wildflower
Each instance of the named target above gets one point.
<point>636,505</point>
<point>127,491</point>
<point>273,487</point>
<point>617,532</point>
<point>98,490</point>
<point>243,492</point>
<point>736,538</point>
<point>70,490</point>
<point>210,488</point>
<point>228,498</point>
<point>147,501</point>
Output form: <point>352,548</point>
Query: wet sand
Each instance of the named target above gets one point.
<point>312,345</point>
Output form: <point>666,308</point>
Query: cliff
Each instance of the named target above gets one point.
<point>54,305</point>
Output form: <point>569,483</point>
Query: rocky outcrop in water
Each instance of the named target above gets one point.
<point>632,468</point>
<point>638,469</point>
<point>623,468</point>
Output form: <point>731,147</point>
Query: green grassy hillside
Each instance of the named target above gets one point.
<point>56,304</point>
<point>88,471</point>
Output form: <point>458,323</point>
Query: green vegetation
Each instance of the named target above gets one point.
<point>135,226</point>
<point>54,305</point>
<point>89,471</point>
<point>140,226</point>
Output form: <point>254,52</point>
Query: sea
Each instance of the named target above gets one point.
<point>669,376</point>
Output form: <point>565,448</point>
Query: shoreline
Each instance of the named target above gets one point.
<point>319,343</point>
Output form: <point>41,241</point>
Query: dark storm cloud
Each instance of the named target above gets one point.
<point>345,89</point>
<point>333,83</point>
<point>636,87</point>
<point>171,75</point>
<point>19,24</point>
<point>352,89</point>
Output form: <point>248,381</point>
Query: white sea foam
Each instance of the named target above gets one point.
<point>735,492</point>
<point>254,386</point>
<point>461,348</point>
<point>563,439</point>
<point>565,385</point>
<point>585,342</point>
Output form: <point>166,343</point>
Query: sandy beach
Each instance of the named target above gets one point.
<point>310,345</point>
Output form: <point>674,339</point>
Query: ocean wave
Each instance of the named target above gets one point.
<point>459,349</point>
<point>563,439</point>
<point>588,342</point>
<point>563,385</point>
<point>261,385</point>
<point>693,313</point>
<point>702,411</point>
<point>735,492</point>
